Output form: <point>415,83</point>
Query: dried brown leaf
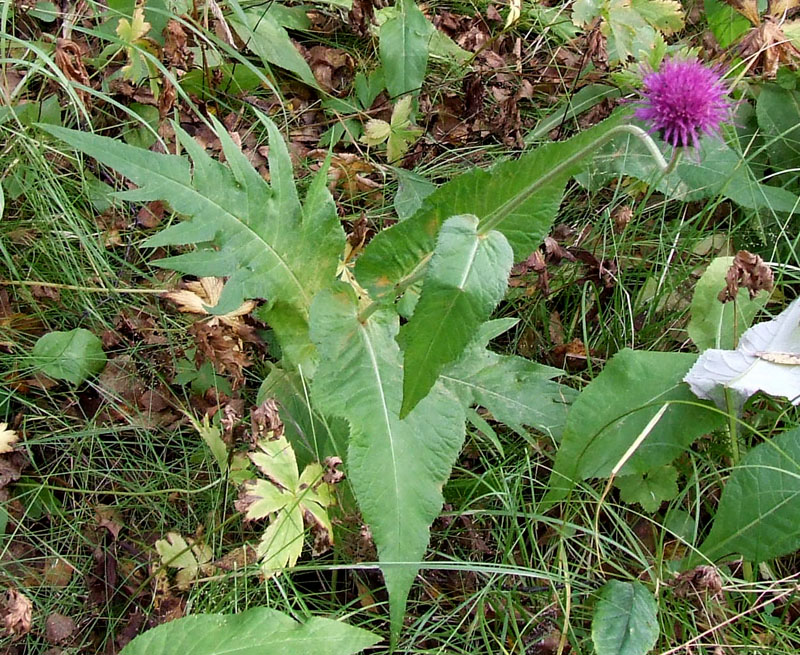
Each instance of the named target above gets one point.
<point>748,271</point>
<point>17,613</point>
<point>59,628</point>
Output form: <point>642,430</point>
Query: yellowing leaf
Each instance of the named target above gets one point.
<point>514,10</point>
<point>189,558</point>
<point>7,438</point>
<point>286,500</point>
<point>376,132</point>
<point>132,31</point>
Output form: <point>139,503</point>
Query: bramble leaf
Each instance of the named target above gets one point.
<point>190,558</point>
<point>256,233</point>
<point>625,620</point>
<point>397,467</point>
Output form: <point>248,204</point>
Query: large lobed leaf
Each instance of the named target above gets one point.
<point>397,467</point>
<point>466,278</point>
<point>256,233</point>
<point>760,505</point>
<point>614,409</point>
<point>258,631</point>
<point>397,253</point>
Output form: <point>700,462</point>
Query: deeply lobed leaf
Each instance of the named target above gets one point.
<point>258,234</point>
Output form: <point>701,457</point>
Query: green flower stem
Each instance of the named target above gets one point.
<point>500,214</point>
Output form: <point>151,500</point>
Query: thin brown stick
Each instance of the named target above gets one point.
<point>72,287</point>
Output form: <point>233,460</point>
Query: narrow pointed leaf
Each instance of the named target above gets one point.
<point>398,252</point>
<point>397,467</point>
<point>465,280</point>
<point>760,505</point>
<point>258,235</point>
<point>403,46</point>
<point>258,631</point>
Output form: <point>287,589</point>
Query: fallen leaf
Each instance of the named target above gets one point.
<point>17,613</point>
<point>196,297</point>
<point>7,438</point>
<point>748,271</point>
<point>59,628</point>
<point>191,558</point>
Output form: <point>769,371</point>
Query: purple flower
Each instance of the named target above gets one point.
<point>684,100</point>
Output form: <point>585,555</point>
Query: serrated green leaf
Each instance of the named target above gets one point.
<point>270,41</point>
<point>466,278</point>
<point>254,232</point>
<point>585,11</point>
<point>397,467</point>
<point>282,542</point>
<point>258,631</point>
<point>71,356</point>
<point>625,620</point>
<point>403,46</point>
<point>649,489</point>
<point>397,253</point>
<point>212,436</point>
<point>714,324</point>
<point>376,132</point>
<point>760,504</point>
<point>613,410</point>
<point>778,113</point>
<point>516,391</point>
<point>275,459</point>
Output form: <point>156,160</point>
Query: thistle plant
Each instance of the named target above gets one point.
<point>684,100</point>
<point>404,392</point>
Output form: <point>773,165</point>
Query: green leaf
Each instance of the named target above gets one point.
<point>649,489</point>
<point>212,436</point>
<point>400,251</point>
<point>265,37</point>
<point>725,23</point>
<point>256,233</point>
<point>516,391</point>
<point>778,113</point>
<point>313,436</point>
<point>719,171</point>
<point>412,189</point>
<point>715,324</point>
<point>258,631</point>
<point>376,131</point>
<point>466,278</point>
<point>71,356</point>
<point>757,514</point>
<point>403,45</point>
<point>614,409</point>
<point>625,620</point>
<point>397,467</point>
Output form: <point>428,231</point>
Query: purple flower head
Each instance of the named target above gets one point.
<point>684,100</point>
